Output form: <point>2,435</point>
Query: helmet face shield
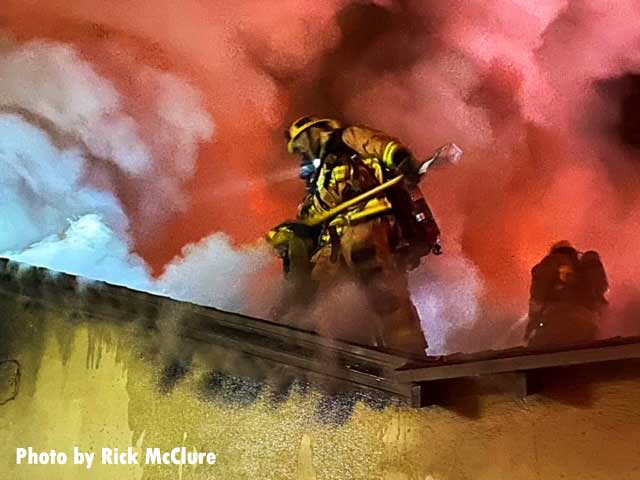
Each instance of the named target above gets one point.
<point>308,163</point>
<point>307,171</point>
<point>309,166</point>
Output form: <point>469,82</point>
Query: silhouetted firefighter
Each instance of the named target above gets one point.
<point>364,217</point>
<point>567,297</point>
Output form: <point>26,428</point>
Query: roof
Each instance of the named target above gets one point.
<point>283,351</point>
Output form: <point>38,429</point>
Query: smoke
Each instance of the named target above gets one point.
<point>51,82</point>
<point>66,141</point>
<point>89,248</point>
<point>151,150</point>
<point>536,93</point>
<point>447,292</point>
<point>215,273</point>
<point>42,186</point>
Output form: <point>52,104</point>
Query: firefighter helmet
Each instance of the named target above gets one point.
<point>561,245</point>
<point>303,124</point>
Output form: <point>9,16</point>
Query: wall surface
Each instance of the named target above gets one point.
<point>96,384</point>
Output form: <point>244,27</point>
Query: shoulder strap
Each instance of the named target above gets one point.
<point>335,145</point>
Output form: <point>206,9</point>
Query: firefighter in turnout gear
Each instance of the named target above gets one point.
<point>567,297</point>
<point>362,215</point>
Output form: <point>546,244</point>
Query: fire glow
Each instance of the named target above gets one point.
<point>157,116</point>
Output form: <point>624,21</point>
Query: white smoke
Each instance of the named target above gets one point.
<point>51,85</point>
<point>43,185</point>
<point>213,272</point>
<point>91,249</point>
<point>52,82</point>
<point>63,130</point>
<point>447,292</point>
<point>49,217</point>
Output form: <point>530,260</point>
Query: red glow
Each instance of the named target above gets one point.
<point>513,84</point>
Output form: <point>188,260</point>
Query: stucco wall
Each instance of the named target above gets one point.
<point>96,384</point>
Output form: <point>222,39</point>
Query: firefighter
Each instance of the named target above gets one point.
<point>367,241</point>
<point>567,297</point>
